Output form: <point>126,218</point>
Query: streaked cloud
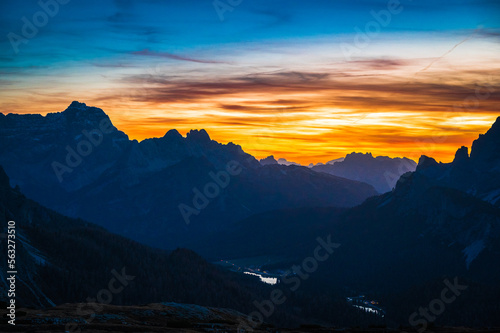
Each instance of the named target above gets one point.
<point>149,53</point>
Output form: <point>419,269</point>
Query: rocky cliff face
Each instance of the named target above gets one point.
<point>486,149</point>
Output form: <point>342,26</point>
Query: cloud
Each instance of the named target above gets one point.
<point>384,64</point>
<point>254,109</point>
<point>320,90</point>
<point>149,53</point>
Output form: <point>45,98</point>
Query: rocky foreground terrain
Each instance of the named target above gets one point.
<point>163,317</point>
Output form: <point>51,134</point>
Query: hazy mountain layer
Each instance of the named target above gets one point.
<point>381,172</point>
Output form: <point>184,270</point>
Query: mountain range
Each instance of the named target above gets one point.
<point>441,221</point>
<point>381,172</point>
<point>436,222</point>
<point>77,163</point>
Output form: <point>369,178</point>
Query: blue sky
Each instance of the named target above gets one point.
<point>86,30</point>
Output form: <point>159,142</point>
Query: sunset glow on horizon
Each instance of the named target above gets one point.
<point>410,89</point>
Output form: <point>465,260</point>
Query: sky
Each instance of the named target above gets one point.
<point>309,81</point>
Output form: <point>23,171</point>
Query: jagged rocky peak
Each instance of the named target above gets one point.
<point>462,155</point>
<point>77,105</point>
<point>198,136</point>
<point>82,111</point>
<point>487,147</point>
<point>268,160</point>
<point>358,156</point>
<point>425,162</point>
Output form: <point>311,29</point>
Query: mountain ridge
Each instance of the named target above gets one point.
<point>381,172</point>
<point>79,164</point>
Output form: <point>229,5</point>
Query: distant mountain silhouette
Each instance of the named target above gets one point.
<point>341,159</point>
<point>283,161</point>
<point>381,172</point>
<point>162,191</point>
<point>268,160</point>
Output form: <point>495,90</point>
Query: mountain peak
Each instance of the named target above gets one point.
<point>82,111</point>
<point>80,115</point>
<point>268,160</point>
<point>425,162</point>
<point>486,148</point>
<point>78,105</point>
<point>198,135</point>
<point>358,156</point>
<point>173,133</point>
<point>461,155</point>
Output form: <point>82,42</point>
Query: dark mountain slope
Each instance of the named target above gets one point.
<point>397,248</point>
<point>61,260</point>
